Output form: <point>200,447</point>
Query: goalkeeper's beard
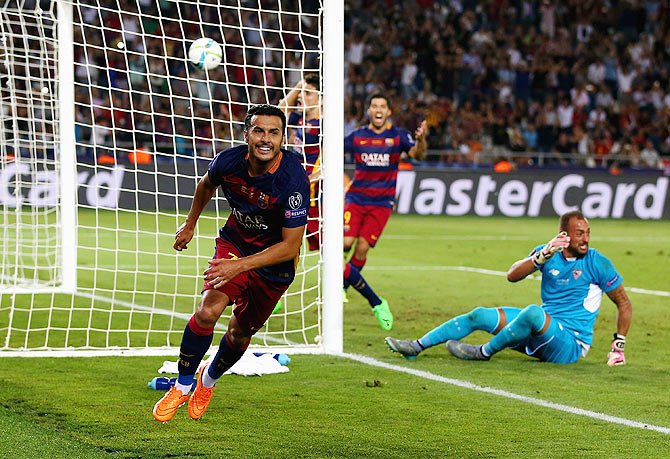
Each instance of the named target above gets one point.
<point>573,252</point>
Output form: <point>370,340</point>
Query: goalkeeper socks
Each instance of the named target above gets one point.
<point>416,344</point>
<point>194,346</point>
<point>353,275</point>
<point>482,352</point>
<point>531,320</point>
<point>485,319</point>
<point>225,358</point>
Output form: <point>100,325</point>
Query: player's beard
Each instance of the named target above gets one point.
<point>575,253</point>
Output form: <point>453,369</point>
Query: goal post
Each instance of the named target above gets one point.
<point>67,149</point>
<point>333,163</point>
<point>106,129</point>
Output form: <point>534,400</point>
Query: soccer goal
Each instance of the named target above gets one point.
<point>106,128</point>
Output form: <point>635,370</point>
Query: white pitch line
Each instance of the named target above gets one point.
<point>423,374</point>
<point>484,237</point>
<point>489,271</point>
<point>501,393</point>
<point>648,292</point>
<point>166,312</point>
<point>133,306</point>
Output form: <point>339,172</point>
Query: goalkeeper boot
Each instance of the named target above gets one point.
<point>199,401</point>
<point>404,347</point>
<point>466,351</point>
<point>383,314</point>
<point>166,407</point>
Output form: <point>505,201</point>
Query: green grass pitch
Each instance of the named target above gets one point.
<point>429,269</point>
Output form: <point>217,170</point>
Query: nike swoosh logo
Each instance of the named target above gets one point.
<point>161,411</point>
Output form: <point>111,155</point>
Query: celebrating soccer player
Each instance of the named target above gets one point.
<point>268,192</point>
<point>377,149</point>
<point>574,278</point>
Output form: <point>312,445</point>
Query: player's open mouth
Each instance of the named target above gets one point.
<point>265,148</point>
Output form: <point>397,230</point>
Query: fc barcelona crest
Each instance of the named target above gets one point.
<point>263,200</point>
<point>576,273</point>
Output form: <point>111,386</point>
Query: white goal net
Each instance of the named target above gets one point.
<point>106,129</point>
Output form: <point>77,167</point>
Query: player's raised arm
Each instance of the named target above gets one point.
<point>623,317</point>
<point>418,151</point>
<point>203,194</point>
<point>288,103</point>
<point>522,268</point>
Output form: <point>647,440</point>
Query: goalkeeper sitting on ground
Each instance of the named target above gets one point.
<point>561,329</point>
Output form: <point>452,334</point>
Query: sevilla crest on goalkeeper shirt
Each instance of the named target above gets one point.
<point>377,156</point>
<point>261,206</point>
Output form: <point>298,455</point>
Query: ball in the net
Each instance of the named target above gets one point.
<point>205,53</point>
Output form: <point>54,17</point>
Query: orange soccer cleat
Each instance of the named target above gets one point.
<point>166,407</point>
<point>200,399</point>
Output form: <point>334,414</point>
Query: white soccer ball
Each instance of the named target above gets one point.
<point>205,53</point>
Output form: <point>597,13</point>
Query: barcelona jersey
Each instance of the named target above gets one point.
<point>572,289</point>
<point>377,157</point>
<point>308,133</point>
<point>261,206</point>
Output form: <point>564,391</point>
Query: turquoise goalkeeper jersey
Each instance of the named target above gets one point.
<point>572,290</point>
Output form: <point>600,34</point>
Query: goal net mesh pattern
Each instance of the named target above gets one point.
<point>146,124</point>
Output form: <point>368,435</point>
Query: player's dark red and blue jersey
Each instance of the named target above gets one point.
<point>308,133</point>
<point>261,206</point>
<point>377,157</point>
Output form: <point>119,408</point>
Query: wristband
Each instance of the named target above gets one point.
<point>619,342</point>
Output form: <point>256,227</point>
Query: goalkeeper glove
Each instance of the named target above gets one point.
<point>557,244</point>
<point>615,356</point>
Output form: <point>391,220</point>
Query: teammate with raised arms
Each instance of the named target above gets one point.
<point>306,121</point>
<point>377,149</point>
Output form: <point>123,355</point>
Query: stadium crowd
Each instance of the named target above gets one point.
<point>583,83</point>
<point>134,85</point>
<point>585,80</point>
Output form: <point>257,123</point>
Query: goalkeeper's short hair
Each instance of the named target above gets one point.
<point>565,219</point>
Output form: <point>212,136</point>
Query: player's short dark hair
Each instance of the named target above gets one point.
<point>313,79</point>
<point>267,110</point>
<point>379,95</point>
<point>565,219</point>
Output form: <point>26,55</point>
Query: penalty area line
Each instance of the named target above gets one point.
<point>501,393</point>
<point>485,237</point>
<point>166,312</point>
<point>492,272</point>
